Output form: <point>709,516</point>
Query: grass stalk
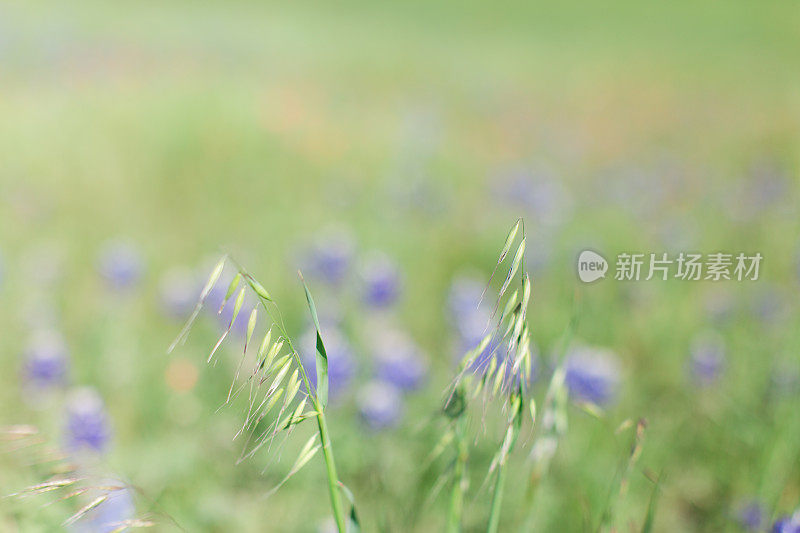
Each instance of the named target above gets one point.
<point>456,508</point>
<point>330,467</point>
<point>514,425</point>
<point>497,498</point>
<point>322,423</point>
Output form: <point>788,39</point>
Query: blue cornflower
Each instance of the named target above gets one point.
<point>120,264</point>
<point>112,513</point>
<point>330,257</point>
<point>592,374</point>
<point>538,191</point>
<point>46,359</point>
<point>787,524</point>
<point>380,405</point>
<point>468,313</point>
<point>178,292</point>
<point>398,360</point>
<point>750,516</point>
<point>769,304</point>
<point>380,279</point>
<point>341,362</point>
<point>768,183</point>
<point>707,361</point>
<point>87,428</point>
<point>464,296</point>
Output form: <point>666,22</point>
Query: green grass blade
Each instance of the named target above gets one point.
<point>650,518</point>
<point>321,356</point>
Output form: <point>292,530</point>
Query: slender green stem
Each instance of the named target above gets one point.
<point>514,424</point>
<point>497,498</point>
<point>459,479</point>
<point>330,465</point>
<point>324,436</point>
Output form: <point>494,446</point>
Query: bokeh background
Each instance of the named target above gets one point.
<point>386,150</point>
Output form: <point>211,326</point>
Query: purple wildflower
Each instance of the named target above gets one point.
<point>380,405</point>
<point>120,264</point>
<point>330,257</point>
<point>750,516</point>
<point>178,292</point>
<point>769,304</point>
<point>468,313</point>
<point>381,282</point>
<point>87,427</point>
<point>472,318</point>
<point>341,362</point>
<point>536,190</point>
<point>111,514</point>
<point>707,361</point>
<point>399,361</point>
<point>787,524</point>
<point>46,359</point>
<point>768,183</point>
<point>592,374</point>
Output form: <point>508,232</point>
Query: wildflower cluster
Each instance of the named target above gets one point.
<point>76,465</point>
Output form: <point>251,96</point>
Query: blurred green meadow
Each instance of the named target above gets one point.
<point>177,132</point>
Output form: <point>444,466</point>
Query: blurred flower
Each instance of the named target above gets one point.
<point>707,353</point>
<point>769,304</point>
<point>787,524</point>
<point>380,405</point>
<point>109,516</point>
<point>330,256</point>
<point>87,427</point>
<point>750,516</point>
<point>178,291</point>
<point>765,188</point>
<point>768,183</point>
<point>536,190</point>
<point>472,318</point>
<point>46,359</point>
<point>592,374</point>
<point>464,296</point>
<point>341,362</point>
<point>468,313</point>
<point>540,250</point>
<point>398,360</point>
<point>120,264</point>
<point>380,279</point>
<point>641,189</point>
